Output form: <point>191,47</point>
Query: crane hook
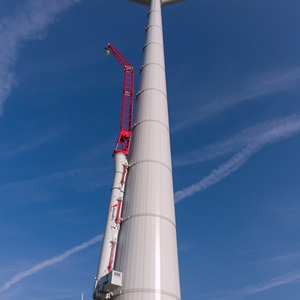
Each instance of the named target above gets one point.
<point>107,49</point>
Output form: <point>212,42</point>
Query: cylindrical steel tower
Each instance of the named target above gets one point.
<point>147,247</point>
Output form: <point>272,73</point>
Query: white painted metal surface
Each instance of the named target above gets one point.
<point>163,2</point>
<point>112,229</point>
<point>147,248</point>
<point>108,286</point>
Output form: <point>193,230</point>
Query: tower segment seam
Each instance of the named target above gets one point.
<point>154,10</point>
<point>151,161</point>
<point>151,120</point>
<point>153,25</point>
<point>154,291</point>
<point>146,65</point>
<point>147,44</point>
<point>149,215</point>
<point>147,89</point>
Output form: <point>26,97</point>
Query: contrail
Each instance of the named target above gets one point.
<point>28,22</point>
<point>254,88</point>
<point>49,262</point>
<point>247,291</point>
<point>269,284</point>
<point>245,251</point>
<point>277,133</point>
<point>232,144</point>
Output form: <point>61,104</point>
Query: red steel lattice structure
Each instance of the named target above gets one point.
<point>106,272</point>
<point>123,142</point>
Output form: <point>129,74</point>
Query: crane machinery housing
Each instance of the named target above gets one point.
<point>109,280</point>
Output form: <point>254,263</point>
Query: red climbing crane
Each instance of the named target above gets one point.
<point>108,279</point>
<point>123,142</point>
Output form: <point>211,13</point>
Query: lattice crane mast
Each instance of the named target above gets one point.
<point>123,142</point>
<point>108,281</point>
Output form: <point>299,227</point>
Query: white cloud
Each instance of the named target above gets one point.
<point>230,145</point>
<point>26,144</point>
<point>28,22</point>
<point>281,258</point>
<point>84,180</point>
<point>49,262</point>
<point>253,89</point>
<point>284,128</point>
<point>269,284</point>
<point>244,292</point>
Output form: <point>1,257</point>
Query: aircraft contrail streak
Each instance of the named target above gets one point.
<point>28,22</point>
<point>49,262</point>
<point>275,134</point>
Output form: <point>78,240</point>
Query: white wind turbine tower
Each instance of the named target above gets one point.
<point>146,261</point>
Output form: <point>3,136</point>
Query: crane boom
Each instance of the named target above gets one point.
<point>108,281</point>
<point>123,141</point>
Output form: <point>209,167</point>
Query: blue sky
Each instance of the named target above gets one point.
<point>233,72</point>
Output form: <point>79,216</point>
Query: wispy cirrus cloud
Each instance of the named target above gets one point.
<point>274,282</point>
<point>280,258</point>
<point>281,129</point>
<point>37,189</point>
<point>28,144</point>
<point>49,262</point>
<point>230,145</point>
<point>253,89</point>
<point>28,22</point>
<point>249,290</point>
